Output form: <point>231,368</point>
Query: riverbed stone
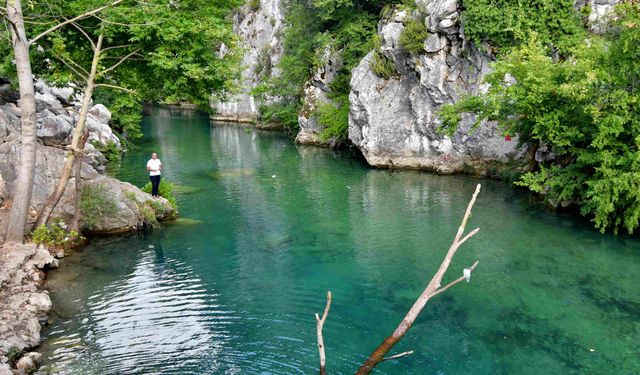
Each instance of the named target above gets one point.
<point>26,364</point>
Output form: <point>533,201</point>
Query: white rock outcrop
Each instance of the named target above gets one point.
<point>315,95</point>
<point>261,33</point>
<point>394,122</point>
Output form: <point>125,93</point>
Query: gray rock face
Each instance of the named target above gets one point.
<point>600,11</point>
<point>315,95</point>
<point>22,304</point>
<point>54,128</point>
<point>261,32</point>
<point>394,122</point>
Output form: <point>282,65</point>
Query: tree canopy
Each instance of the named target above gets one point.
<point>585,109</point>
<point>173,49</point>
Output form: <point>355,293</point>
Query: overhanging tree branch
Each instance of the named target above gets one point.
<point>93,45</point>
<point>112,67</point>
<point>116,47</point>
<point>70,20</point>
<point>116,87</point>
<point>77,72</point>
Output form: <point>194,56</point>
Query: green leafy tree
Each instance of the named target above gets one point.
<point>175,48</point>
<point>347,26</point>
<point>505,23</point>
<point>585,108</point>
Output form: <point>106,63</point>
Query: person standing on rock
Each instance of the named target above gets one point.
<point>154,166</point>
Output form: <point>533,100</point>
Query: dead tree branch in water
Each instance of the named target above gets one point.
<point>433,289</point>
<point>319,325</point>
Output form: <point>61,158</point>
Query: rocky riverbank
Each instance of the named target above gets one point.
<point>116,206</point>
<point>23,305</point>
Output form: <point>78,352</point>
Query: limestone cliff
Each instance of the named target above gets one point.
<point>394,121</point>
<point>261,32</point>
<point>315,95</point>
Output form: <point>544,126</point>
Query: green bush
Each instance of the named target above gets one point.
<point>413,36</point>
<point>585,109</point>
<point>382,66</point>
<point>334,119</point>
<point>506,23</point>
<point>165,190</point>
<point>254,4</point>
<point>111,151</point>
<point>56,236</point>
<point>94,202</point>
<point>148,214</point>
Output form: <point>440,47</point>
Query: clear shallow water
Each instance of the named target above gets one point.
<point>232,287</point>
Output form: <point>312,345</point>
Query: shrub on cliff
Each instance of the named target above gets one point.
<point>413,36</point>
<point>56,236</point>
<point>585,109</point>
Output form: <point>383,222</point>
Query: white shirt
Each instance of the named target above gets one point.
<point>154,164</point>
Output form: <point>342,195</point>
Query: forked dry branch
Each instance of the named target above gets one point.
<point>433,288</point>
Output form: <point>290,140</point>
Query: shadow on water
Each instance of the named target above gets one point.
<point>269,226</point>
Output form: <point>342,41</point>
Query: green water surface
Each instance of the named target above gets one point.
<point>269,226</point>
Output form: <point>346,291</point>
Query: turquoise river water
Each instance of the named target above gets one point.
<point>268,227</point>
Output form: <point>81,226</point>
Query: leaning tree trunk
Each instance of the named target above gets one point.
<point>75,148</point>
<point>24,186</point>
<point>75,223</point>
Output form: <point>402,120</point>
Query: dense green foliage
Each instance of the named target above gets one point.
<point>334,118</point>
<point>56,236</point>
<point>348,26</point>
<point>505,23</point>
<point>173,44</point>
<point>585,108</point>
<point>110,150</point>
<point>413,36</point>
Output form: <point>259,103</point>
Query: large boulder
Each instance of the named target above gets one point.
<point>130,208</point>
<point>98,126</point>
<point>394,121</point>
<point>261,32</point>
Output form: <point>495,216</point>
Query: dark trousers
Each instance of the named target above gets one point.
<point>155,184</point>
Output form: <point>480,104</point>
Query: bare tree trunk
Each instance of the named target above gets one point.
<point>24,186</point>
<point>75,224</point>
<point>432,289</point>
<point>56,194</point>
<point>319,325</point>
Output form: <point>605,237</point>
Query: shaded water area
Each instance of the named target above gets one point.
<point>268,227</point>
